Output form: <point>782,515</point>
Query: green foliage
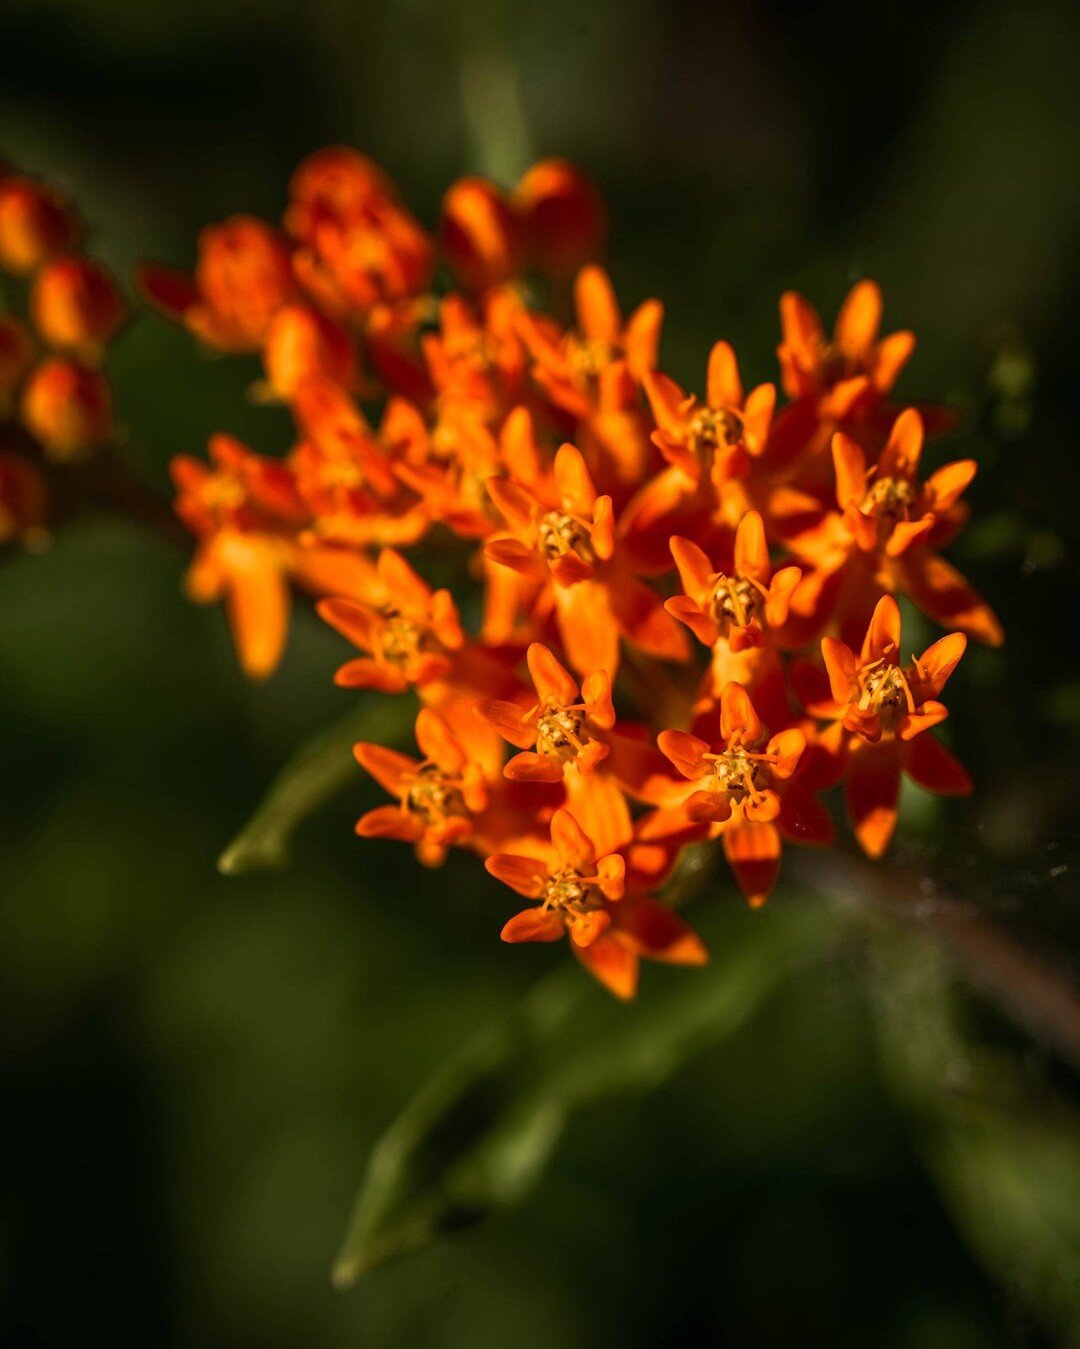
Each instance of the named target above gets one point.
<point>478,1135</point>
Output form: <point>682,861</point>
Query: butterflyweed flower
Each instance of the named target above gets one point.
<point>585,897</point>
<point>738,787</point>
<point>439,796</point>
<point>848,372</point>
<point>882,713</point>
<point>566,734</point>
<point>885,536</point>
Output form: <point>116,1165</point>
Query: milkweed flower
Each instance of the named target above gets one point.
<point>885,537</point>
<point>882,713</point>
<point>739,786</point>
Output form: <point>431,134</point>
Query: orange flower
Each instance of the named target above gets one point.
<point>732,607</point>
<point>439,796</point>
<point>566,726</point>
<point>569,546</point>
<point>480,234</point>
<point>564,215</point>
<point>884,539</point>
<point>881,711</point>
<point>711,442</point>
<point>582,896</point>
<point>67,408</point>
<point>738,788</point>
<point>851,372</point>
<point>358,247</point>
<point>76,307</point>
<point>409,633</point>
<point>36,224</point>
<point>569,365</point>
<point>242,278</point>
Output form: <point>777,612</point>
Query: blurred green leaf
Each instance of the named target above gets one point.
<point>313,776</point>
<point>1003,1149</point>
<point>479,1134</point>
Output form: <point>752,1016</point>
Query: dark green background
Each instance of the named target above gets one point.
<point>195,1067</point>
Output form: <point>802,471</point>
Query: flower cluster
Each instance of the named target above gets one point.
<point>684,627</point>
<point>61,309</point>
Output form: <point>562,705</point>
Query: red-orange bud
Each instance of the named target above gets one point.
<point>76,306</point>
<point>67,408</point>
<point>16,356</point>
<point>35,225</point>
<point>480,233</point>
<point>564,215</point>
<point>22,499</point>
<point>302,343</point>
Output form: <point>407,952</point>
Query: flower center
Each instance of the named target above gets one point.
<point>739,775</point>
<point>588,356</point>
<point>889,499</point>
<point>570,891</point>
<point>400,640</point>
<point>560,732</point>
<point>735,600</point>
<point>713,429</point>
<point>433,796</point>
<point>559,534</point>
<point>884,691</point>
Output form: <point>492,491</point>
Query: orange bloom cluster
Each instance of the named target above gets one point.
<point>680,624</point>
<point>62,310</point>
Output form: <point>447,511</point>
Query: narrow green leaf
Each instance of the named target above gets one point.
<point>477,1137</point>
<point>313,776</point>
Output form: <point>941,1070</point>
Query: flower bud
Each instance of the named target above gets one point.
<point>35,225</point>
<point>22,500</point>
<point>67,408</point>
<point>16,357</point>
<point>480,234</point>
<point>564,215</point>
<point>302,343</point>
<point>243,277</point>
<point>75,306</point>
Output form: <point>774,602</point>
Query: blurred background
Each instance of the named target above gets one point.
<point>195,1067</point>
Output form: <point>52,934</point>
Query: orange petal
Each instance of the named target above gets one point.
<point>596,694</point>
<point>642,337</point>
<point>526,875</point>
<point>597,309</point>
<point>939,590</point>
<point>944,488</point>
<point>849,462</point>
<point>553,682</point>
<point>788,747</point>
<point>937,663</point>
<point>656,931</point>
<point>723,388</point>
<point>900,457</point>
<point>508,720</point>
<point>696,572</point>
<point>530,767</point>
<point>437,742</point>
<point>753,853</point>
<point>859,320</point>
<point>533,925</point>
<point>871,792</point>
<point>573,480</point>
<point>390,822</point>
<point>751,549</point>
<point>391,770</point>
<point>666,399</point>
<point>513,554</point>
<point>685,751</point>
<point>258,606</point>
<point>883,635</point>
<point>613,963</point>
<point>927,762</point>
<point>737,715</point>
<point>570,840</point>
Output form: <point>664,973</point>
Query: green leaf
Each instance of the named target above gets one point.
<point>477,1137</point>
<point>311,778</point>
